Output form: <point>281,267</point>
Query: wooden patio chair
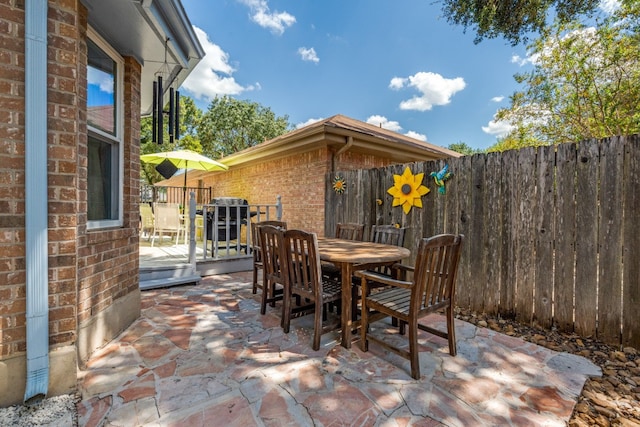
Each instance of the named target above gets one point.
<point>257,252</point>
<point>167,219</point>
<point>387,235</point>
<point>305,281</point>
<point>350,231</point>
<point>273,264</point>
<point>146,219</point>
<point>432,289</point>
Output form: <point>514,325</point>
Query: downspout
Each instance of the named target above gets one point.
<point>37,292</point>
<point>342,149</point>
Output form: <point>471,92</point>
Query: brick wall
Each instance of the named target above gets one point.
<point>88,271</point>
<point>12,232</point>
<point>64,109</point>
<point>298,178</point>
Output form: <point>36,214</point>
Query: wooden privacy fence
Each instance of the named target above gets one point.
<point>551,232</point>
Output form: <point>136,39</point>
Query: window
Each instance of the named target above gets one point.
<point>104,122</point>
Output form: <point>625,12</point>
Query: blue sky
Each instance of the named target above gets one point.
<point>395,63</point>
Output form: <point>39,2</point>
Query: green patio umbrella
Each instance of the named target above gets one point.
<point>183,159</point>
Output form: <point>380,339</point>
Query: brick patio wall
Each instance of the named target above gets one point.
<point>298,178</point>
<point>93,276</point>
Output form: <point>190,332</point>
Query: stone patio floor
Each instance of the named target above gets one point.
<point>204,356</point>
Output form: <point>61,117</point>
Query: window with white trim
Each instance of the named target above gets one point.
<point>104,124</point>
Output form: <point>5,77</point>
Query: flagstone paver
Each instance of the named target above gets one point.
<point>204,356</point>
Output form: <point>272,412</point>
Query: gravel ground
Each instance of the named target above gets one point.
<point>58,411</point>
<point>610,400</point>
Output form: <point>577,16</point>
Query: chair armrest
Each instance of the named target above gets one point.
<point>380,278</point>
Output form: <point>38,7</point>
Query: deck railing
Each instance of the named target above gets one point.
<point>229,235</point>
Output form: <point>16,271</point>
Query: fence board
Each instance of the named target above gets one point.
<point>451,199</point>
<point>610,239</point>
<point>586,239</point>
<point>543,290</point>
<point>525,272</point>
<point>493,233</point>
<point>463,182</point>
<point>631,254</point>
<point>475,240</point>
<point>508,288</point>
<point>565,214</point>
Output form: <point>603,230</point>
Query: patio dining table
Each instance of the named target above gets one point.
<point>351,256</point>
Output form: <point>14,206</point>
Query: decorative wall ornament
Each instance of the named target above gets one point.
<point>339,184</point>
<point>407,190</point>
<point>440,178</point>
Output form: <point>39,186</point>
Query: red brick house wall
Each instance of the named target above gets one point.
<point>92,273</point>
<point>298,178</point>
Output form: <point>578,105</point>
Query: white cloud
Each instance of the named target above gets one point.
<point>308,122</point>
<point>397,82</point>
<point>498,128</point>
<point>101,79</point>
<point>609,6</point>
<point>276,22</point>
<point>308,54</point>
<point>213,74</point>
<point>434,90</point>
<point>497,98</point>
<point>384,123</point>
<point>416,135</point>
<point>517,59</point>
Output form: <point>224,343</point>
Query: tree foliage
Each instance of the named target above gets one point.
<point>464,148</point>
<point>585,83</point>
<point>231,125</point>
<point>512,19</point>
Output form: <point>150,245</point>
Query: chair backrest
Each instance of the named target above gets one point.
<point>146,216</point>
<point>255,235</point>
<point>303,259</point>
<point>435,272</point>
<point>272,250</point>
<point>350,231</point>
<point>167,216</point>
<point>387,234</point>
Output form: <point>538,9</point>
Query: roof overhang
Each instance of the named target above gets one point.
<point>141,28</point>
<point>340,132</point>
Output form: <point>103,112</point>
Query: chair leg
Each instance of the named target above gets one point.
<point>364,326</point>
<point>286,311</point>
<point>414,355</point>
<point>263,301</point>
<point>317,325</point>
<point>451,331</point>
<point>255,280</point>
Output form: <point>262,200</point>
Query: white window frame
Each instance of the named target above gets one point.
<point>118,138</point>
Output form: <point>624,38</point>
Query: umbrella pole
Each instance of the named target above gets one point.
<point>184,188</point>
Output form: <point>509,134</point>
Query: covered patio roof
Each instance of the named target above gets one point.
<point>141,28</point>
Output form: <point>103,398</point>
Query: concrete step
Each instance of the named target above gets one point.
<point>165,276</point>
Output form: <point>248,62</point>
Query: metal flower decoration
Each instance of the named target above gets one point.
<point>407,190</point>
<point>339,184</point>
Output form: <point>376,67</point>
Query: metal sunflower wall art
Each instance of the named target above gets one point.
<point>339,184</point>
<point>407,190</point>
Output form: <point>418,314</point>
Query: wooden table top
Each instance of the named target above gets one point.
<point>354,251</point>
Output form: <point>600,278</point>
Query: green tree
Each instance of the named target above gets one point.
<point>513,19</point>
<point>231,125</point>
<point>464,148</point>
<point>190,116</point>
<point>518,138</point>
<point>585,83</point>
